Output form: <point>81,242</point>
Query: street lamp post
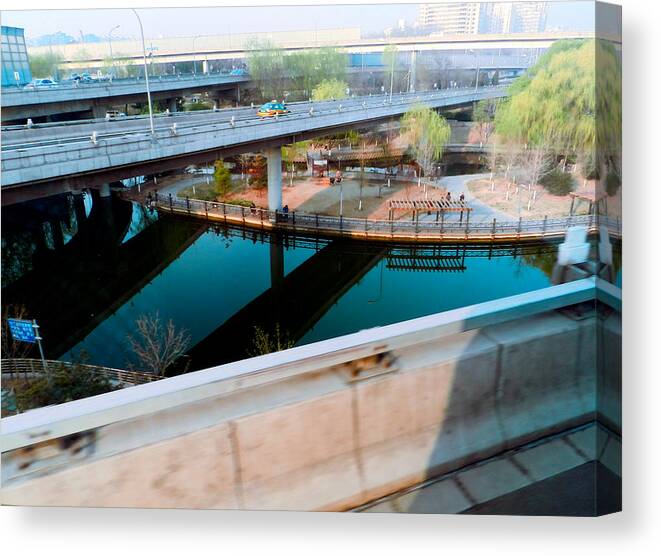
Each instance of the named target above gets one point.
<point>112,60</point>
<point>392,74</point>
<point>194,56</point>
<point>144,61</point>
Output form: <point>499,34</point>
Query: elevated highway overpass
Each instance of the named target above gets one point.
<point>234,47</point>
<point>94,99</point>
<point>53,159</point>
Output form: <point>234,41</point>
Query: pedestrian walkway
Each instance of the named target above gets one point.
<point>481,212</point>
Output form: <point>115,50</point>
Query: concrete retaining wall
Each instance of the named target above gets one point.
<point>336,436</point>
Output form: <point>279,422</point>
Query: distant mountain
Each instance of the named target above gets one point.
<point>62,38</point>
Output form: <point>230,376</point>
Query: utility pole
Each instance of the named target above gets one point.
<point>112,60</point>
<point>144,60</point>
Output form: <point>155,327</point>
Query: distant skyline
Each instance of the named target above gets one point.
<point>168,22</point>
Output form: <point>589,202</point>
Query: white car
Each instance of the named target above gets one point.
<point>41,84</point>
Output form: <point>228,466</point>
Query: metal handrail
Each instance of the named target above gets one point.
<point>298,221</point>
<point>27,368</point>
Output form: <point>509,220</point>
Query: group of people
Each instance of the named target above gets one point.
<point>448,197</point>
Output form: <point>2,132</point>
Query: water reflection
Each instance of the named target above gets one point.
<point>219,283</point>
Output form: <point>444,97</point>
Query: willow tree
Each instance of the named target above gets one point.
<point>308,68</point>
<point>45,65</point>
<point>428,132</point>
<point>330,89</point>
<point>390,59</point>
<point>559,108</point>
<point>292,153</point>
<point>267,68</point>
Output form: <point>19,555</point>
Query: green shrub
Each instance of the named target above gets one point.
<point>239,203</point>
<point>63,383</point>
<point>222,179</point>
<point>558,183</point>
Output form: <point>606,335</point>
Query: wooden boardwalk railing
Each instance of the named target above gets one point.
<point>26,369</point>
<point>384,230</point>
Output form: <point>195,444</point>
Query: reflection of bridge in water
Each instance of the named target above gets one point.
<point>291,306</point>
<point>74,287</point>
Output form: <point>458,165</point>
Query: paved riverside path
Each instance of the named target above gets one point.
<point>481,212</point>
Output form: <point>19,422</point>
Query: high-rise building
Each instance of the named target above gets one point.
<point>469,18</point>
<point>15,65</point>
<point>528,17</point>
<point>460,18</point>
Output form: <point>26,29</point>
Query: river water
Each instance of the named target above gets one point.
<point>114,261</point>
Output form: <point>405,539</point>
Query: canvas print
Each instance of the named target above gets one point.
<point>356,258</point>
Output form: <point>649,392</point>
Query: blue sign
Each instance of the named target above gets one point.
<point>22,330</point>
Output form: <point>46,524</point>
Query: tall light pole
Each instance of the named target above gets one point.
<point>112,60</point>
<point>144,61</point>
<point>392,72</point>
<point>194,56</point>
<point>477,70</point>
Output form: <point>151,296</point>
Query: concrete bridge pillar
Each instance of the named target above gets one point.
<point>98,111</point>
<point>104,190</point>
<point>274,173</point>
<point>172,105</point>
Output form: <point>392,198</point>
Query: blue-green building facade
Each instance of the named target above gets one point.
<point>15,64</point>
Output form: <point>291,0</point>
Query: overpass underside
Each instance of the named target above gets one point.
<point>483,409</point>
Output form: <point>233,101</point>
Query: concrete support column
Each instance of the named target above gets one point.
<point>205,66</point>
<point>274,168</point>
<point>98,112</point>
<point>172,104</point>
<point>238,95</point>
<point>104,190</point>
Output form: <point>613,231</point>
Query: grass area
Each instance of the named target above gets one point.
<point>530,204</point>
<point>203,192</point>
<point>207,192</point>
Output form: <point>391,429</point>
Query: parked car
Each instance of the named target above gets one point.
<point>41,84</point>
<point>273,108</point>
<point>82,78</point>
<point>114,114</point>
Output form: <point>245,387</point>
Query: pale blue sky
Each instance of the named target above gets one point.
<point>575,15</point>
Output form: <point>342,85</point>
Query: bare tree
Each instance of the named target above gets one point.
<point>158,347</point>
<point>244,161</point>
<point>536,163</point>
<point>509,154</point>
<point>267,342</point>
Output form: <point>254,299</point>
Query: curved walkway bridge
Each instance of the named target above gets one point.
<point>414,230</point>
